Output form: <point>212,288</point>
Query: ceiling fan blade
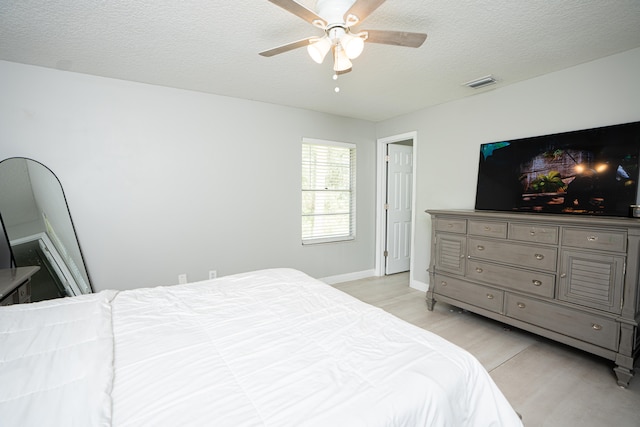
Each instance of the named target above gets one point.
<point>363,8</point>
<point>301,11</point>
<point>396,38</point>
<point>287,47</point>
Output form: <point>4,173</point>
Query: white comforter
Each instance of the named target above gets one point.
<point>267,348</point>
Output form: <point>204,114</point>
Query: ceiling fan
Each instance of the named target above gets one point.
<point>336,18</point>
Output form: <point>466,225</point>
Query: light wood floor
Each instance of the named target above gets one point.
<point>550,384</point>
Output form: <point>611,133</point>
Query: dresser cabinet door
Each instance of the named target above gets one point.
<point>592,280</point>
<point>450,253</point>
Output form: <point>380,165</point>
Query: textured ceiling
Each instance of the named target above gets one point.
<point>212,46</point>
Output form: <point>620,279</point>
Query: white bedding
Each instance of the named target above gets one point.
<point>267,348</point>
<point>56,362</point>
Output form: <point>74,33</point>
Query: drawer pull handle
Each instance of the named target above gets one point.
<point>450,225</point>
<point>592,238</point>
<point>480,247</point>
<point>539,256</point>
<point>478,270</point>
<point>563,275</point>
<point>537,283</point>
<point>596,327</point>
<point>532,233</point>
<point>487,228</point>
<point>489,296</point>
<point>521,305</point>
<point>443,283</point>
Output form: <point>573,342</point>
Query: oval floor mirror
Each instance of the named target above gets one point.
<point>40,231</point>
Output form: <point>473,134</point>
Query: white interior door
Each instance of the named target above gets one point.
<point>399,206</point>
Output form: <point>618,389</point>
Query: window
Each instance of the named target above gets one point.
<point>328,191</point>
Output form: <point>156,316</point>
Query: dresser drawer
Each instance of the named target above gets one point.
<point>595,239</point>
<point>451,225</point>
<point>532,282</point>
<point>488,228</point>
<point>528,256</point>
<point>533,233</point>
<point>478,295</point>
<point>584,326</point>
<point>24,292</point>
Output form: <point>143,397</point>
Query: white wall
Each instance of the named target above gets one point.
<point>162,181</point>
<point>17,201</point>
<point>599,93</point>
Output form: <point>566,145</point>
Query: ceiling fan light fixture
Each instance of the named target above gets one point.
<point>318,49</point>
<point>341,61</point>
<point>352,45</point>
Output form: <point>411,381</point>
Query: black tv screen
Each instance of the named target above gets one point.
<point>591,171</point>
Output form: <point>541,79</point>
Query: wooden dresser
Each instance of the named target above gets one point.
<point>574,279</point>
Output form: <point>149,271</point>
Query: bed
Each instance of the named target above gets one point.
<point>267,348</point>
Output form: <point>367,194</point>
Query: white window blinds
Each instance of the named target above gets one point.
<point>328,191</point>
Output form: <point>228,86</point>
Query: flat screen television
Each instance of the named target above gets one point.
<point>590,172</point>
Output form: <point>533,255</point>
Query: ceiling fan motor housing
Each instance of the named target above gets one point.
<point>335,32</point>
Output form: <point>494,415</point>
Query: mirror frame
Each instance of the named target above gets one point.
<point>72,225</point>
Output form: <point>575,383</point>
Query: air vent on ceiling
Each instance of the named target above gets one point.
<point>481,82</point>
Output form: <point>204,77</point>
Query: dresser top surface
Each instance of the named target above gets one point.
<point>558,219</point>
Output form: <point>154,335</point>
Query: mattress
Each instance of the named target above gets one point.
<point>267,348</point>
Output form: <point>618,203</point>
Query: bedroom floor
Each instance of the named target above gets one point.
<point>548,383</point>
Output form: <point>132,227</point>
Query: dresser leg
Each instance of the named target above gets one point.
<point>430,303</point>
<point>624,376</point>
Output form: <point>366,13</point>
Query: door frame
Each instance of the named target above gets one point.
<point>381,192</point>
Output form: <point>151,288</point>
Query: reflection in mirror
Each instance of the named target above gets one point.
<point>39,227</point>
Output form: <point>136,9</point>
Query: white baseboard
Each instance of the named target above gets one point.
<point>420,286</point>
<point>332,280</point>
<point>357,275</point>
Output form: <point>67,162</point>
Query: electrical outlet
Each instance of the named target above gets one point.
<point>213,274</point>
<point>182,278</point>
